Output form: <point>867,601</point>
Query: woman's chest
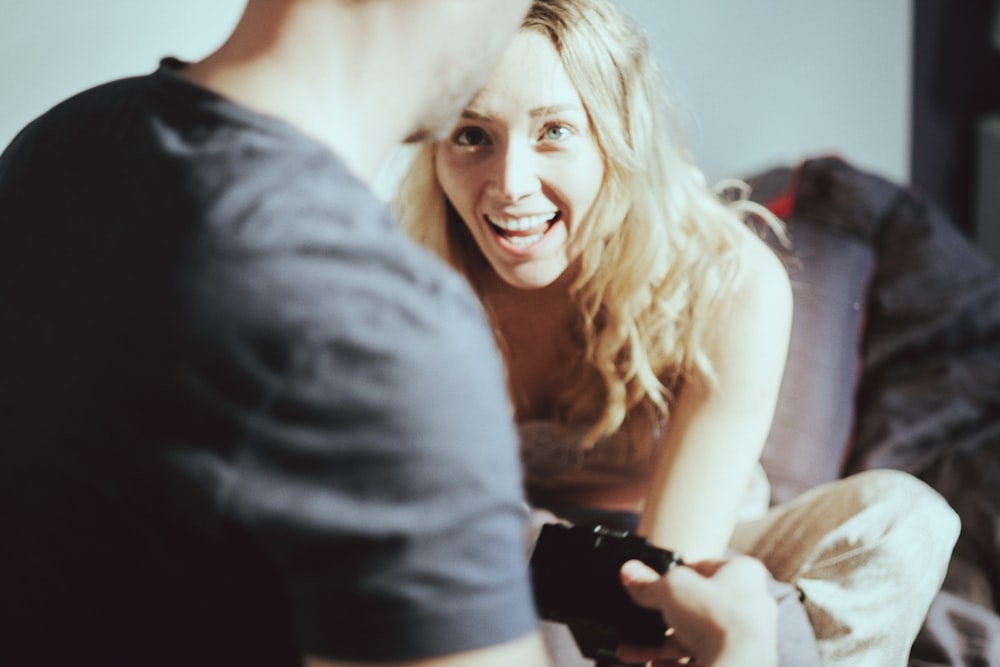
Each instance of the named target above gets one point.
<point>540,368</point>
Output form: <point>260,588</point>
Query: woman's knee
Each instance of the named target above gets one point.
<point>908,501</point>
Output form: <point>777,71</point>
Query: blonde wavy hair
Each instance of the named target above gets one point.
<point>659,251</point>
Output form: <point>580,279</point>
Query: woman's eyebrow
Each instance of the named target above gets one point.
<point>554,110</point>
<point>548,110</point>
<point>472,114</point>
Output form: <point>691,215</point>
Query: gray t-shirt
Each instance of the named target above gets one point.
<point>245,417</point>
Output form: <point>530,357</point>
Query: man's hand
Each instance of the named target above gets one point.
<point>719,613</point>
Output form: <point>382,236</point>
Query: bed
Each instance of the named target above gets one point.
<point>894,362</point>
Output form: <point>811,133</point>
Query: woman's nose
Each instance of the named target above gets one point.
<point>516,173</point>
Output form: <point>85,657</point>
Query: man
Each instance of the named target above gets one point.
<point>246,421</point>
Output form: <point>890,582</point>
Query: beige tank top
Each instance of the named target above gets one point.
<point>552,458</point>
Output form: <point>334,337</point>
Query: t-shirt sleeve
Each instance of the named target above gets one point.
<point>378,466</point>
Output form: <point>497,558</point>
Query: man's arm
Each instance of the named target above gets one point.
<point>378,468</point>
<point>528,651</point>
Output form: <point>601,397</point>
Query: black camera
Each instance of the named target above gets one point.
<point>575,574</point>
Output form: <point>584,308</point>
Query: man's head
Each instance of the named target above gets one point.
<point>462,40</point>
<point>362,75</point>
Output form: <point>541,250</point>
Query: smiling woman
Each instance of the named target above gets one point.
<point>645,327</point>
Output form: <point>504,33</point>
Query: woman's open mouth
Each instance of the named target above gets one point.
<point>522,231</point>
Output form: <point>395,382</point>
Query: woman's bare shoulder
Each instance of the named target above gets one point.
<point>764,279</point>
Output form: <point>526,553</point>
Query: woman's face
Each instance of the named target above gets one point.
<point>522,167</point>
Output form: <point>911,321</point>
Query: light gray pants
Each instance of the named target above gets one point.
<point>868,552</point>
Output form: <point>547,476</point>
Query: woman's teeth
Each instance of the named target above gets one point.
<point>523,231</point>
<point>521,224</point>
<point>524,241</point>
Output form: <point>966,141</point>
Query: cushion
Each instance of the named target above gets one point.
<point>830,263</point>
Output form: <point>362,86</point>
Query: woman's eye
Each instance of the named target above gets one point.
<point>471,136</point>
<point>556,132</point>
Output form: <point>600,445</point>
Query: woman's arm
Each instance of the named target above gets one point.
<point>714,438</point>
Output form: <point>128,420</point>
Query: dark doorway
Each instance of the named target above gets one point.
<point>956,81</point>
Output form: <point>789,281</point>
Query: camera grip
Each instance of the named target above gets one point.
<point>575,574</point>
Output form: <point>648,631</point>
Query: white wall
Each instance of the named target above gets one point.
<point>774,81</point>
<point>765,81</point>
<point>50,49</point>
